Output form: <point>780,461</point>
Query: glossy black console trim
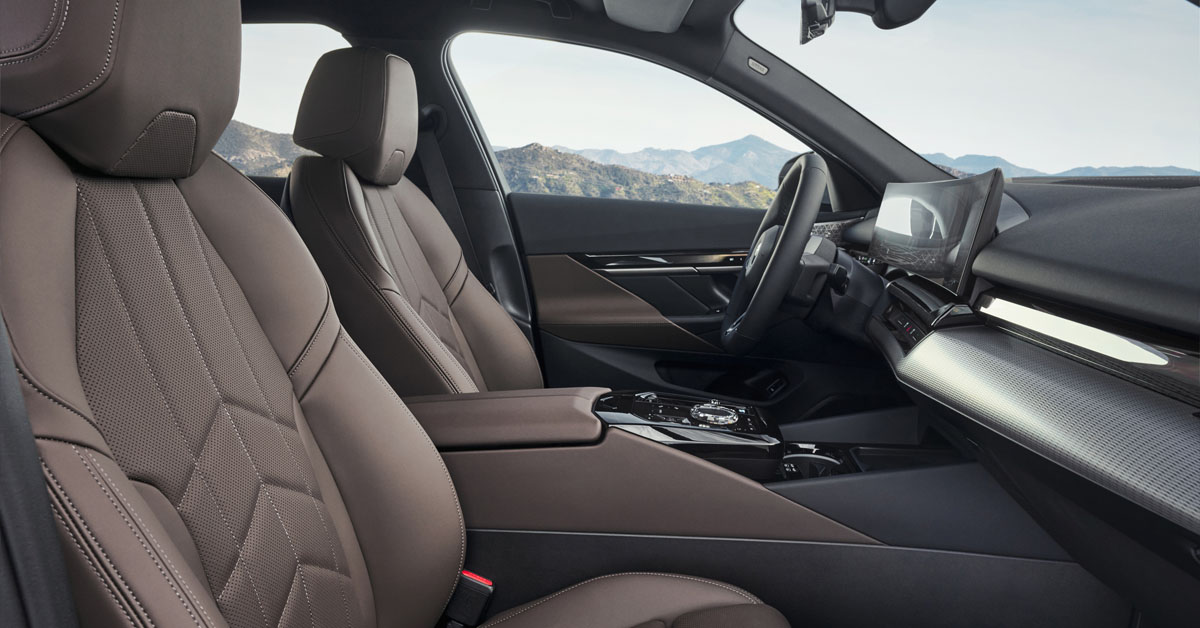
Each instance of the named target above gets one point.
<point>673,263</point>
<point>749,444</point>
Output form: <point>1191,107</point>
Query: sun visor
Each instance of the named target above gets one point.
<point>660,16</point>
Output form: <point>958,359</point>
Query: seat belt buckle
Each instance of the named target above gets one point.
<point>470,600</point>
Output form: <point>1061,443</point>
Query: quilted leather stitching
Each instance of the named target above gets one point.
<point>243,428</point>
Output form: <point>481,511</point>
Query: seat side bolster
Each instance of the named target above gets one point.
<point>124,568</point>
<point>37,265</point>
<point>367,435</point>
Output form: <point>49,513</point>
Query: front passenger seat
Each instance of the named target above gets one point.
<point>216,448</point>
<point>395,269</point>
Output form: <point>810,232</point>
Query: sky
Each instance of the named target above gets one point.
<point>1046,84</point>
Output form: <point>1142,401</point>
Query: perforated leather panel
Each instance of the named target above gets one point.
<point>193,400</point>
<point>1127,439</point>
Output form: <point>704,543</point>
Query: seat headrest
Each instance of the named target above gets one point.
<point>360,105</point>
<point>133,88</point>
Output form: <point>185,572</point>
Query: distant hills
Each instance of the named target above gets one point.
<point>975,164</point>
<point>258,152</point>
<point>543,170</point>
<point>750,158</point>
<point>741,172</point>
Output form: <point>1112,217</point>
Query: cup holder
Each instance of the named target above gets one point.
<point>806,460</point>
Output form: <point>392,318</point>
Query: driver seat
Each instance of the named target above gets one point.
<point>393,265</point>
<point>216,448</point>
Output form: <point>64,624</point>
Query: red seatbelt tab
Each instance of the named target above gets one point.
<point>470,600</point>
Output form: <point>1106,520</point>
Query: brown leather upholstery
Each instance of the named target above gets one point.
<point>212,440</point>
<point>111,82</point>
<point>643,600</point>
<point>395,269</point>
<point>344,114</point>
<point>510,419</point>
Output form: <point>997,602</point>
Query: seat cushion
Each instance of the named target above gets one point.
<point>644,600</point>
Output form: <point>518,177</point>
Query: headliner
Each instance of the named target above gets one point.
<point>439,19</point>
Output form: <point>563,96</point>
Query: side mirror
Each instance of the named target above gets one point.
<point>815,18</point>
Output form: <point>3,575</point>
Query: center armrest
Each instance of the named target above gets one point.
<point>508,419</point>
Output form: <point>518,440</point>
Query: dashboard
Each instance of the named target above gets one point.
<point>1072,370</point>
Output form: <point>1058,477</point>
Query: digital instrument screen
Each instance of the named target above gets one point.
<point>935,229</point>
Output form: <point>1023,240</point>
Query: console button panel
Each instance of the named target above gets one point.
<point>734,436</point>
<point>636,408</point>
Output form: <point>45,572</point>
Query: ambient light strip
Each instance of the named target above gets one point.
<point>1078,334</point>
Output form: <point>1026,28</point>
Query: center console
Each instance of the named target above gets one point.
<point>744,439</point>
<point>733,436</point>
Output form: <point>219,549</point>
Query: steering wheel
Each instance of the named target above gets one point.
<point>771,268</point>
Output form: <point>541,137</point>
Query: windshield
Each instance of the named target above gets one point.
<point>1034,87</point>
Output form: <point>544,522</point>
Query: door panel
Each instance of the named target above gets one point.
<point>638,303</point>
<point>576,303</point>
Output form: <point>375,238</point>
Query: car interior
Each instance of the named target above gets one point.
<point>393,384</point>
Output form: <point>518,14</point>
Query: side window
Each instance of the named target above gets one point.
<point>572,120</point>
<point>276,62</point>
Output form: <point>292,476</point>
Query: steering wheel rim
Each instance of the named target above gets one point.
<point>771,267</point>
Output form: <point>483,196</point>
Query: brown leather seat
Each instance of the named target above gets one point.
<point>393,265</point>
<point>212,439</point>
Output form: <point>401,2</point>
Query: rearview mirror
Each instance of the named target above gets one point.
<point>817,15</point>
<point>815,18</point>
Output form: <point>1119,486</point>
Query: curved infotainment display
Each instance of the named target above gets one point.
<point>935,229</point>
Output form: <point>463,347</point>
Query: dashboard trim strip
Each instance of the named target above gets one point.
<point>1129,440</point>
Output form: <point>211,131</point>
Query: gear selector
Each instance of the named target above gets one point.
<point>734,436</point>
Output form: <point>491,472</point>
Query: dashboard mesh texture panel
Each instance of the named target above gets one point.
<point>1127,439</point>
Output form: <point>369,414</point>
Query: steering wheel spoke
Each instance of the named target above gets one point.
<point>774,262</point>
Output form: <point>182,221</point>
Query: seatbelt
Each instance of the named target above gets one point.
<point>442,191</point>
<point>33,588</point>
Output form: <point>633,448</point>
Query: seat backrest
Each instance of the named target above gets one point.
<point>395,268</point>
<point>211,437</point>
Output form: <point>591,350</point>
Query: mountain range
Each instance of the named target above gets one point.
<point>544,170</point>
<point>727,166</point>
<point>750,158</point>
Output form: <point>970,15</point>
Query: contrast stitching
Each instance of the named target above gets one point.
<point>45,29</point>
<point>95,543</point>
<point>104,580</point>
<point>62,25</point>
<point>146,130</point>
<point>136,533</point>
<point>751,598</point>
<point>204,479</point>
<point>38,389</point>
<point>223,403</point>
<point>15,124</point>
<point>153,541</point>
<point>462,530</point>
<point>103,69</point>
<point>271,413</point>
